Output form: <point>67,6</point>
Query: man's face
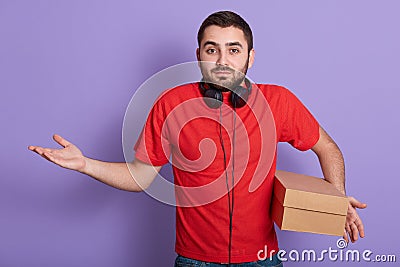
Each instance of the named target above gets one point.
<point>224,57</point>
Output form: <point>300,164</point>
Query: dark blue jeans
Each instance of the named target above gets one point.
<point>186,262</point>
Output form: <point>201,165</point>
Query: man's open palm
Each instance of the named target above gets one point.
<point>69,156</point>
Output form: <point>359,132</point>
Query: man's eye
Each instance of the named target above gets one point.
<point>211,51</point>
<point>235,51</point>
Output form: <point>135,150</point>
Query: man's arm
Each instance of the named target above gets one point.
<point>135,176</point>
<point>332,165</point>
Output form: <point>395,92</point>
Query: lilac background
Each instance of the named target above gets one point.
<point>71,67</point>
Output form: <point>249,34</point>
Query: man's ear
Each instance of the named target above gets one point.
<point>252,54</point>
<point>198,54</point>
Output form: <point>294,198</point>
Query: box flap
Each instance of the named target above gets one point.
<point>309,193</point>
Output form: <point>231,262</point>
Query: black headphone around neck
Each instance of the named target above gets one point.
<point>213,96</point>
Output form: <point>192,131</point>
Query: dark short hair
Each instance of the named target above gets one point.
<point>226,19</point>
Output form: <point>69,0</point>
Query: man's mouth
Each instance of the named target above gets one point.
<point>222,72</point>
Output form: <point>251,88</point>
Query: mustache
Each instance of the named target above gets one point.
<point>221,68</point>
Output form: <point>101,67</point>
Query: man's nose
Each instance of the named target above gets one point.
<point>222,60</point>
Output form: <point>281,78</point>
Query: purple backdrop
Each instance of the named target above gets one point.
<point>71,67</point>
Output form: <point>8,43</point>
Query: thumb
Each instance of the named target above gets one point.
<point>357,204</point>
<point>63,142</point>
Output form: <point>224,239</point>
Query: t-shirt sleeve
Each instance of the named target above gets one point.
<point>152,146</point>
<point>300,128</point>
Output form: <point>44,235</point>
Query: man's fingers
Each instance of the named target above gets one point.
<point>50,157</point>
<point>354,234</point>
<point>345,237</point>
<point>354,226</point>
<point>357,204</point>
<point>360,227</point>
<point>63,142</point>
<point>39,150</point>
<point>348,230</point>
<point>46,153</point>
<point>35,148</point>
<point>43,152</point>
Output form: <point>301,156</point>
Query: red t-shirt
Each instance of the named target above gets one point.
<point>181,126</point>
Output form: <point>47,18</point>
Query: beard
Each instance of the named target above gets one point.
<point>229,80</point>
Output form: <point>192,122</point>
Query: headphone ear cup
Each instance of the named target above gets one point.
<point>213,98</point>
<point>239,96</point>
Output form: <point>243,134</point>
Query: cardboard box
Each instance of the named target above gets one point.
<point>308,204</point>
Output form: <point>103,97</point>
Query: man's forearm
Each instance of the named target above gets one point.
<point>332,165</point>
<point>124,176</point>
<point>331,161</point>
